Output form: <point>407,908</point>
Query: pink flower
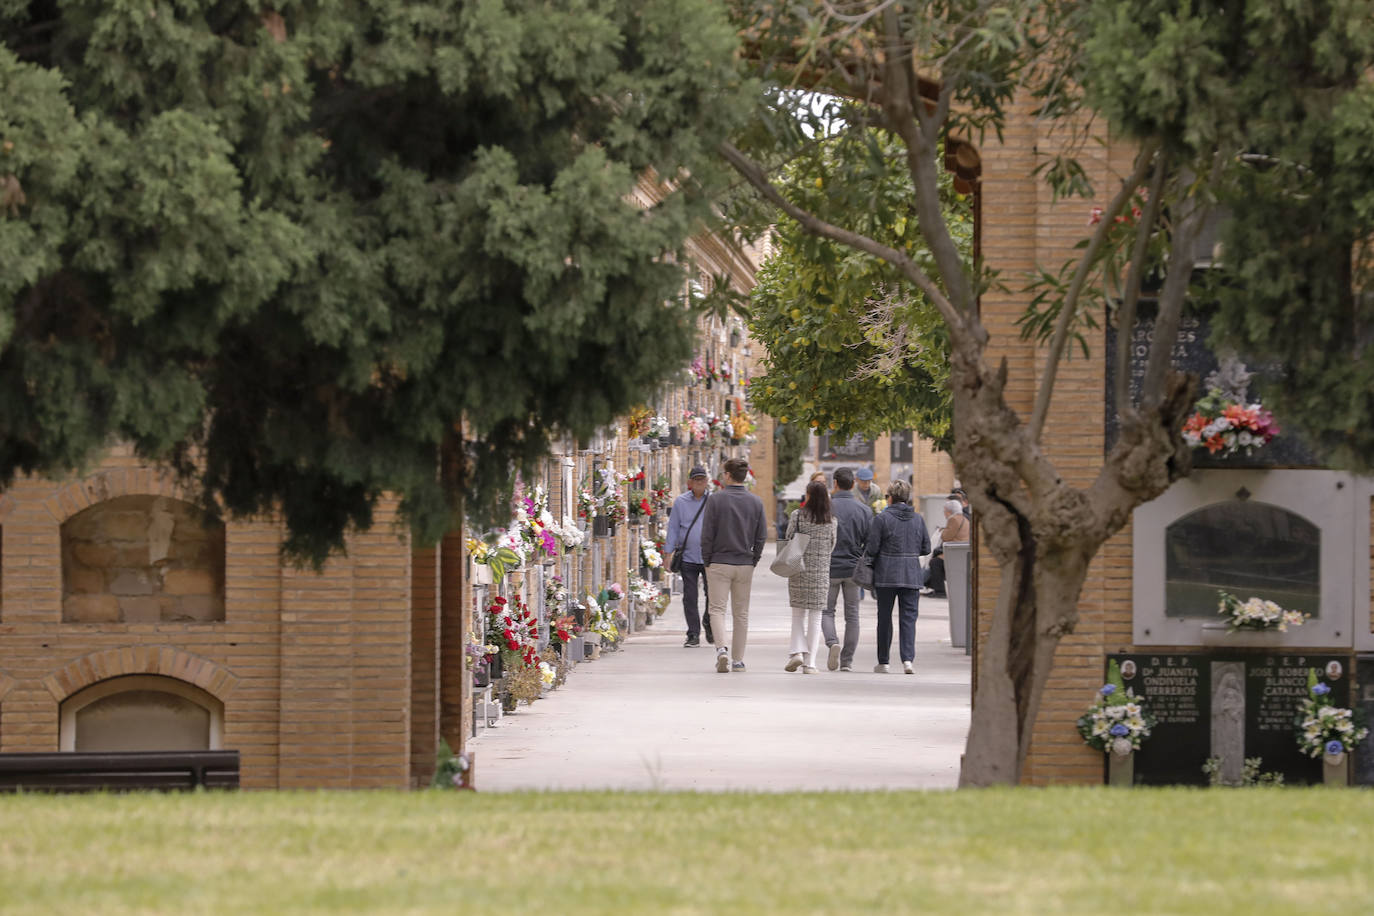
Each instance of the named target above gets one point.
<point>1096,216</point>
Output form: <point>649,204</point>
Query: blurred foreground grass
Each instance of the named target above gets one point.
<point>1087,850</point>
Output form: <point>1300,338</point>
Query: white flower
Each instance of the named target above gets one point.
<point>1121,746</point>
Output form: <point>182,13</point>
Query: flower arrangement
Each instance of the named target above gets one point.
<point>1325,728</point>
<point>613,592</point>
<point>610,496</point>
<point>514,630</point>
<point>643,591</point>
<point>568,534</point>
<point>649,554</point>
<point>451,771</point>
<point>1227,426</point>
<point>564,628</point>
<point>1117,721</point>
<point>478,651</point>
<point>638,421</point>
<point>658,427</point>
<point>497,557</point>
<point>695,426</point>
<point>533,523</point>
<point>1257,614</point>
<point>555,592</point>
<point>742,425</point>
<point>600,618</point>
<point>661,494</point>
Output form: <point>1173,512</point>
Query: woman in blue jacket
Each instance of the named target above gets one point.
<point>896,542</point>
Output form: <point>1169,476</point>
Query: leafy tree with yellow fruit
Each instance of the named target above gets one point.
<point>830,316</point>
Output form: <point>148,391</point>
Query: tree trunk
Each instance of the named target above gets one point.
<point>1043,534</point>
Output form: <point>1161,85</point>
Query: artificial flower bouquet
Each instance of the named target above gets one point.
<point>1118,721</point>
<point>514,629</point>
<point>649,554</point>
<point>497,557</point>
<point>1225,426</point>
<point>1257,614</point>
<point>658,427</point>
<point>1324,728</point>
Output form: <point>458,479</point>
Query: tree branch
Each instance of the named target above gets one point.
<point>1171,298</point>
<point>899,89</point>
<point>1125,318</point>
<point>754,174</point>
<point>1069,309</point>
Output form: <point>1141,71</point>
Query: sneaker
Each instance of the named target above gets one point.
<point>834,660</point>
<point>907,668</point>
<point>722,661</point>
<point>810,670</point>
<point>880,669</point>
<point>692,642</point>
<point>793,663</point>
<point>738,666</point>
<point>846,668</point>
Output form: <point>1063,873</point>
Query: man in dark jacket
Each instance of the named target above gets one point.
<point>733,532</point>
<point>853,519</point>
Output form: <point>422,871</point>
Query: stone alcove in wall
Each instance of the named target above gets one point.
<point>141,713</point>
<point>142,559</point>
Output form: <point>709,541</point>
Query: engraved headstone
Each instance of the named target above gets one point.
<point>1233,705</point>
<point>1192,354</point>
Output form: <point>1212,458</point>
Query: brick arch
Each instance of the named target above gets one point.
<point>105,485</point>
<point>214,679</point>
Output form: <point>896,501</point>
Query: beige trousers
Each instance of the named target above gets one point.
<point>732,582</point>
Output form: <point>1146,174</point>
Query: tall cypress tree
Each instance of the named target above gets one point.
<point>295,251</point>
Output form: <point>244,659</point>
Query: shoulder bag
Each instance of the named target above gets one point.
<point>790,557</point>
<point>675,561</point>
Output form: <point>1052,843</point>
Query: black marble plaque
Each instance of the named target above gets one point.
<point>1191,353</point>
<point>1178,689</point>
<point>854,449</point>
<point>1364,758</point>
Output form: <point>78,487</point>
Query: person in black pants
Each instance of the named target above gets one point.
<point>684,530</point>
<point>897,540</point>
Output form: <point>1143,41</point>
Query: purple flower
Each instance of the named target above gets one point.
<point>1334,747</point>
<point>1321,690</point>
<point>1118,730</point>
<point>1107,690</point>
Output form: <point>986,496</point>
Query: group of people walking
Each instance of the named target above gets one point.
<point>722,537</point>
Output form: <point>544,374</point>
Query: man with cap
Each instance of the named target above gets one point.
<point>863,477</point>
<point>684,530</point>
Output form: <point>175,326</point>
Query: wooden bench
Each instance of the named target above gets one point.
<point>119,771</point>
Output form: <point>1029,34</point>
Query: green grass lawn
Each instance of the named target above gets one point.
<point>1049,851</point>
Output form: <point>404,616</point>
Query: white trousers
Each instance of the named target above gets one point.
<point>806,635</point>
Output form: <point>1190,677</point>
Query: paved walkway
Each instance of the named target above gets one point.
<point>657,716</point>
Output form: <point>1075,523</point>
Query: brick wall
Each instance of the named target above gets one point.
<point>1022,226</point>
<point>313,670</point>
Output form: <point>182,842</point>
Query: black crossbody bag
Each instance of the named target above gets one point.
<point>675,562</point>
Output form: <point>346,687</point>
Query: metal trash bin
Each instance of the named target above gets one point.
<point>957,588</point>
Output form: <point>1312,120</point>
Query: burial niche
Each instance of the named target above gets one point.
<point>141,713</point>
<point>142,559</point>
<point>1245,547</point>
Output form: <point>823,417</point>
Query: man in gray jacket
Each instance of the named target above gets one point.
<point>853,518</point>
<point>733,532</point>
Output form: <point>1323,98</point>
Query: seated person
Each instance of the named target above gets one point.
<point>956,530</point>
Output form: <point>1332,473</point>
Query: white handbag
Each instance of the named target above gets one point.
<point>789,560</point>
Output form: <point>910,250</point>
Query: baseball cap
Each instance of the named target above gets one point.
<point>698,471</point>
<point>864,473</point>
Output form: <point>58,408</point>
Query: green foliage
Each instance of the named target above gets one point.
<point>790,441</point>
<point>832,362</point>
<point>1275,99</point>
<point>292,251</point>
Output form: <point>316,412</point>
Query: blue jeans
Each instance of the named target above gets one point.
<point>691,574</point>
<point>906,600</point>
